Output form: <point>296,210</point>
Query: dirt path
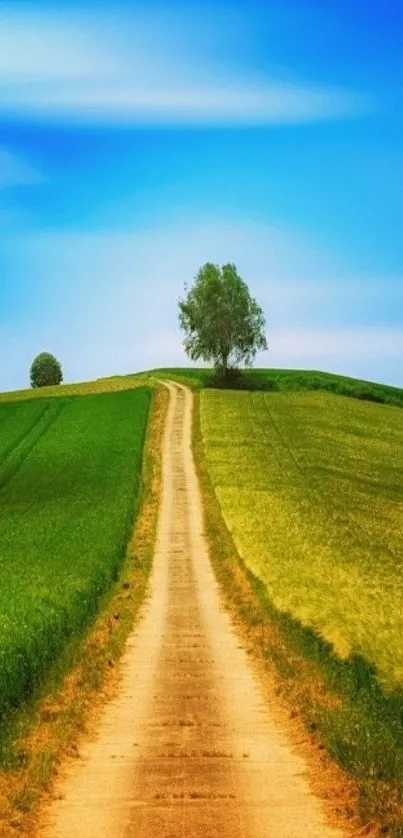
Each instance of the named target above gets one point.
<point>189,747</point>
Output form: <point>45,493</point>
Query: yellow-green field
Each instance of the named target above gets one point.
<point>82,388</point>
<point>311,487</point>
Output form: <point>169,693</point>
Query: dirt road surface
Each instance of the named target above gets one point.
<point>188,749</point>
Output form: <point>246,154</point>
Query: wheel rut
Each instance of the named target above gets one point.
<point>188,748</point>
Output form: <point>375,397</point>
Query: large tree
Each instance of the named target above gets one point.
<point>222,323</point>
<point>45,370</point>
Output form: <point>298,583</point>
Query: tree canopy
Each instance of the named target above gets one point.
<point>45,370</point>
<point>223,324</point>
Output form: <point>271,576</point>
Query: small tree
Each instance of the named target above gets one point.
<point>45,370</point>
<point>222,323</point>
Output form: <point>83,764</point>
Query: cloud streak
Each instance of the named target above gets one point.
<point>85,70</point>
<point>180,104</point>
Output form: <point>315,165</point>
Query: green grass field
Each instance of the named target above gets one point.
<point>311,487</point>
<point>70,472</point>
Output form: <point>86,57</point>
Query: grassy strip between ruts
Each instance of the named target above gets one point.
<point>47,730</point>
<point>340,703</point>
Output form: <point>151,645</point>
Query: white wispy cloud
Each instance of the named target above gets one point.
<point>16,171</point>
<point>85,69</point>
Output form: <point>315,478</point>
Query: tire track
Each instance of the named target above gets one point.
<point>16,456</point>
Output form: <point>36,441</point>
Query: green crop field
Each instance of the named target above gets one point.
<point>69,478</point>
<point>311,487</point>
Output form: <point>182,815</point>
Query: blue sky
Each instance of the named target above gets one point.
<point>140,140</point>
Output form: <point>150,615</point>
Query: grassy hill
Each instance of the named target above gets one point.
<point>285,381</point>
<point>266,380</point>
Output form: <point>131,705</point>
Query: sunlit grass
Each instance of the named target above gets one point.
<point>311,487</point>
